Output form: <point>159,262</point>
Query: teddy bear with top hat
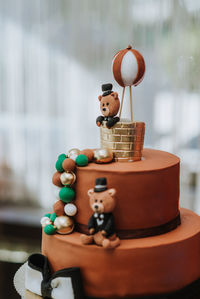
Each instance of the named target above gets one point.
<point>101,224</point>
<point>109,106</point>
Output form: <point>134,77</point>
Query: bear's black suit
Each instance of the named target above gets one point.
<point>110,120</point>
<point>102,221</point>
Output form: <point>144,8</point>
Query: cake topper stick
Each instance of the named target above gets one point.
<point>120,112</point>
<point>131,103</point>
<point>128,69</point>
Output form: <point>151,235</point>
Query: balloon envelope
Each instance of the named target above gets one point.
<point>128,67</point>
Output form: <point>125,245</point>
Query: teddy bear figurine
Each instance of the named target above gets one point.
<point>101,224</point>
<point>109,105</point>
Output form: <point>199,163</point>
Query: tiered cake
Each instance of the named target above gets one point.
<point>153,251</point>
<point>156,254</point>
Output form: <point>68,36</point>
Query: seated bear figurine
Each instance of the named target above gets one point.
<point>101,224</point>
<point>109,105</point>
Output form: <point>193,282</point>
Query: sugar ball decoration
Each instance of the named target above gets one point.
<point>88,153</point>
<point>64,225</point>
<point>47,215</point>
<point>128,67</point>
<point>58,208</point>
<point>62,156</point>
<point>68,164</point>
<point>45,221</point>
<point>103,155</point>
<point>70,209</point>
<point>56,179</point>
<point>49,229</point>
<point>56,191</point>
<point>73,153</point>
<point>53,217</point>
<point>67,194</point>
<point>68,178</point>
<point>82,160</point>
<point>59,167</point>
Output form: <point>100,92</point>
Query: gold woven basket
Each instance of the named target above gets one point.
<point>125,139</point>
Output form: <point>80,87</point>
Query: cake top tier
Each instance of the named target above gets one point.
<point>153,160</point>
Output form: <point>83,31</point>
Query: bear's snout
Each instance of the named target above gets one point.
<point>105,111</point>
<point>98,207</point>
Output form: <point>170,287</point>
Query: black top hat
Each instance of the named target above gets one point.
<point>107,89</point>
<point>101,185</point>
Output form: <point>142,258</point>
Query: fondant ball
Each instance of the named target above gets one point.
<point>56,191</point>
<point>58,208</point>
<point>49,229</point>
<point>103,155</point>
<point>47,215</point>
<point>53,217</point>
<point>56,179</point>
<point>70,209</point>
<point>82,160</point>
<point>59,163</point>
<point>64,225</point>
<point>68,164</point>
<point>128,67</point>
<point>88,153</point>
<point>62,156</point>
<point>72,152</point>
<point>45,221</point>
<point>66,194</point>
<point>68,178</point>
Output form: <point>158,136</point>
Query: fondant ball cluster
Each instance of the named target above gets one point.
<point>61,220</point>
<point>62,224</point>
<point>65,178</point>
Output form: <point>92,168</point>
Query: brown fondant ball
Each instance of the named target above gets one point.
<point>69,164</point>
<point>58,208</point>
<point>88,153</point>
<point>56,179</point>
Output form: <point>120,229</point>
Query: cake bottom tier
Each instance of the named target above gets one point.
<point>138,267</point>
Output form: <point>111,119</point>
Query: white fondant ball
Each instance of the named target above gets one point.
<point>56,191</point>
<point>73,157</point>
<point>70,209</point>
<point>45,221</point>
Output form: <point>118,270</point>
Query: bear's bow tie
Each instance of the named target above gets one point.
<point>36,276</point>
<point>96,215</point>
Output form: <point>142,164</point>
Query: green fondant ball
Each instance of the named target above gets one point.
<point>59,167</point>
<point>62,156</point>
<point>67,194</point>
<point>47,215</point>
<point>53,217</point>
<point>49,229</point>
<point>82,160</point>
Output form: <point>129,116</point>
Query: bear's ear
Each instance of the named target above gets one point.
<point>100,97</point>
<point>112,191</point>
<point>115,95</point>
<point>90,192</point>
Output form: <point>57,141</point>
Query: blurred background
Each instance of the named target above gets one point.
<point>54,56</point>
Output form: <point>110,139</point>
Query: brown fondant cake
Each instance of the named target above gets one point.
<point>147,190</point>
<point>157,255</point>
<point>117,230</point>
<point>138,267</point>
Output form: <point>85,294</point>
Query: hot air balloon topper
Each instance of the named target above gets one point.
<point>128,69</point>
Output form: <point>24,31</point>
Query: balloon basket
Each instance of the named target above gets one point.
<point>125,139</point>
